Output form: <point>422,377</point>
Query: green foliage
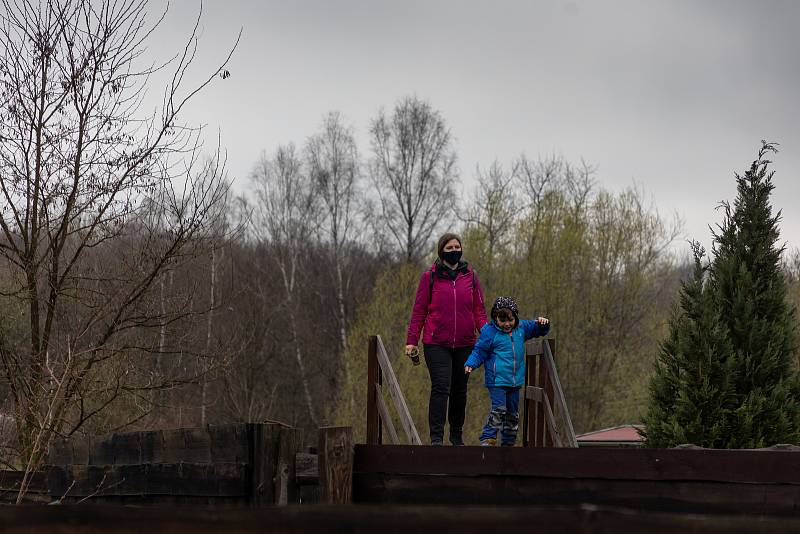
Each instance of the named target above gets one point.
<point>595,263</point>
<point>726,375</point>
<point>592,261</point>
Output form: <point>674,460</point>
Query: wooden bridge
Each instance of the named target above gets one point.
<point>541,393</point>
<point>243,476</point>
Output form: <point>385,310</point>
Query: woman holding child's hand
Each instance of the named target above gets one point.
<point>449,310</point>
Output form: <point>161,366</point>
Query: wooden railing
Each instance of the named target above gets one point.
<point>543,393</point>
<point>379,367</point>
<point>546,419</point>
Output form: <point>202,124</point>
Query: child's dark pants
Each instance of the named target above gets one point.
<point>504,415</point>
<point>448,381</point>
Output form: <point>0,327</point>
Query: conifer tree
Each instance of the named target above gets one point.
<point>725,376</point>
<point>751,296</point>
<point>691,390</point>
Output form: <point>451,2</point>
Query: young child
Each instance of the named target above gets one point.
<point>501,348</point>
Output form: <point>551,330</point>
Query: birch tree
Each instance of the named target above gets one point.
<point>285,217</point>
<point>333,167</point>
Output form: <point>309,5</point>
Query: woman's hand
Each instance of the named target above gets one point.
<point>467,369</point>
<point>542,320</point>
<point>410,350</point>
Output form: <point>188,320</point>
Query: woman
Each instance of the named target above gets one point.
<point>449,308</point>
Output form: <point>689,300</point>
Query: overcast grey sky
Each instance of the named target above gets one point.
<point>674,96</point>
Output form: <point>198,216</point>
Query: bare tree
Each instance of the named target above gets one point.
<point>77,160</point>
<point>333,166</point>
<point>285,217</point>
<point>413,172</point>
<point>492,211</point>
<point>553,176</point>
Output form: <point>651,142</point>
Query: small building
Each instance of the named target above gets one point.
<point>617,436</point>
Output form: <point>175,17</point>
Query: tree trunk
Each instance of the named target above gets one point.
<point>204,380</point>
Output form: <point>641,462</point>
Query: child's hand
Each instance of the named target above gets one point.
<point>542,320</point>
<point>467,369</point>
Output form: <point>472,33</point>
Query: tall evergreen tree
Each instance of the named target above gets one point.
<point>751,296</point>
<point>725,376</point>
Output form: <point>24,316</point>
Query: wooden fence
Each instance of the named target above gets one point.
<point>379,368</point>
<point>248,464</point>
<point>545,421</point>
<point>545,417</point>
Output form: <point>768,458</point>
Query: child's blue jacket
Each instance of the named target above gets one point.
<point>503,353</point>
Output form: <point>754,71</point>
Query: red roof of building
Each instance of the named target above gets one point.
<point>617,433</point>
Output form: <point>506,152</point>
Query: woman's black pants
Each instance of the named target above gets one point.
<point>448,382</point>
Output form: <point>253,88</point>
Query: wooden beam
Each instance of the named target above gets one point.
<point>533,347</point>
<point>560,400</point>
<point>536,394</point>
<point>336,464</point>
<point>709,465</point>
<point>153,480</point>
<point>373,379</point>
<point>394,390</point>
<point>394,439</point>
<point>633,496</point>
<point>551,422</point>
<point>570,517</point>
<point>529,407</point>
<point>540,426</point>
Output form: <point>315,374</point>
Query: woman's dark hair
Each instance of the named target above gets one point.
<point>444,240</point>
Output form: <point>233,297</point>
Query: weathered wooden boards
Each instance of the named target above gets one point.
<point>10,482</point>
<point>657,479</point>
<point>335,453</point>
<point>248,463</point>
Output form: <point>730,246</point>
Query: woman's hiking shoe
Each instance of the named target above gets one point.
<point>491,442</point>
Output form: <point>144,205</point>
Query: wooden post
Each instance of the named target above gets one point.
<point>262,450</point>
<point>541,381</point>
<point>272,448</point>
<point>336,464</point>
<point>529,421</point>
<point>284,482</point>
<point>549,391</point>
<point>374,431</point>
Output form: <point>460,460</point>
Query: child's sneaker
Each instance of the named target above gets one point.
<point>490,442</point>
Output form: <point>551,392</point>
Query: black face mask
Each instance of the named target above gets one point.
<point>451,257</point>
